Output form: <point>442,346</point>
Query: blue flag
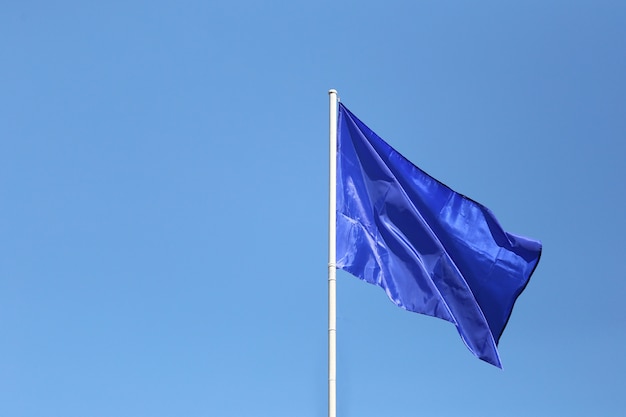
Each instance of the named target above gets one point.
<point>432,250</point>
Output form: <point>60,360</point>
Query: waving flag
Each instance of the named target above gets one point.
<point>432,250</point>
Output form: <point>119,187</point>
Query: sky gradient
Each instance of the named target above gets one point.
<point>163,204</point>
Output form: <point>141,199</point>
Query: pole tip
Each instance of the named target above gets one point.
<point>332,91</point>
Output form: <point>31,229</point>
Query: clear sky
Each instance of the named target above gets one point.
<point>163,203</point>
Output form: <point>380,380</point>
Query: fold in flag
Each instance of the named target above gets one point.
<point>432,250</point>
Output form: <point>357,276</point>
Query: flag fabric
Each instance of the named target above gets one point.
<point>432,250</point>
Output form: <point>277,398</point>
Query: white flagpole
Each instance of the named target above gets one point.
<point>332,268</point>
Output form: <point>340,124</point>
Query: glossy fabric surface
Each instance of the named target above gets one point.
<point>432,250</point>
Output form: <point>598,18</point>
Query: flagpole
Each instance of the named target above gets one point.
<point>332,268</point>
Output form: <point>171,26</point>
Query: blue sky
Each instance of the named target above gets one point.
<point>163,203</point>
